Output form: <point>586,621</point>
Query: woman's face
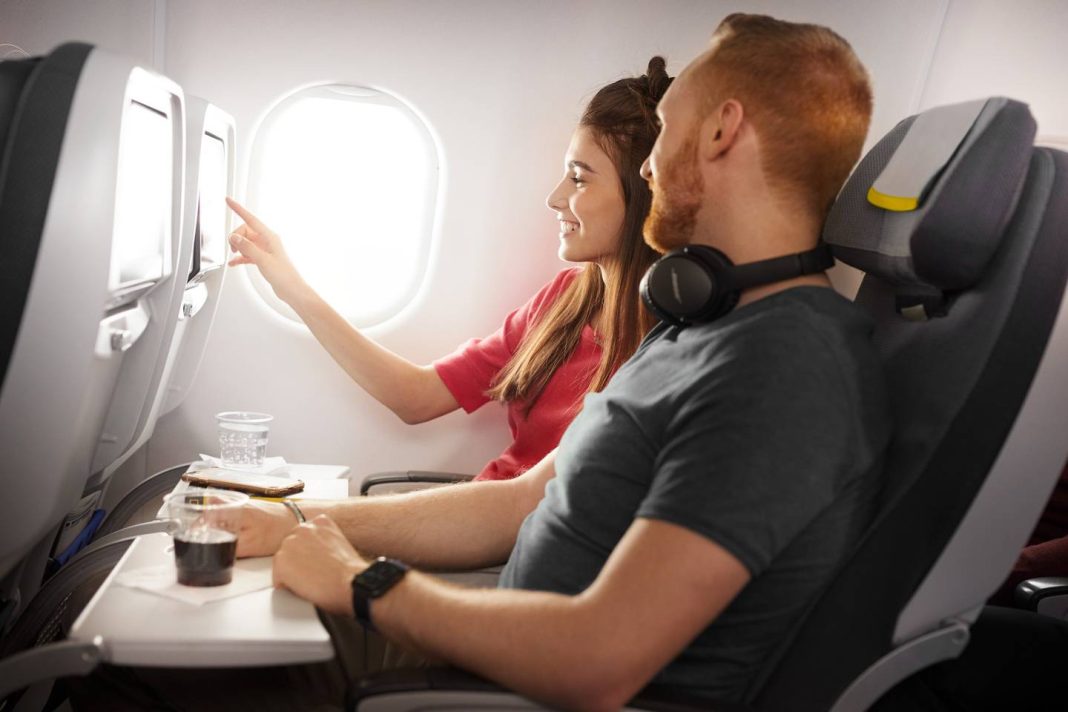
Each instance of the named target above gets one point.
<point>588,202</point>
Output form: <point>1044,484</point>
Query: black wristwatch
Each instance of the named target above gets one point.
<point>382,575</point>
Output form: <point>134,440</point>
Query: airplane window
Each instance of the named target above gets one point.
<point>348,177</point>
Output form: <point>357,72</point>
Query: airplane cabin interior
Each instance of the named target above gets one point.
<point>235,235</point>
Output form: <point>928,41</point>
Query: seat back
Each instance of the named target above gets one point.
<point>966,275</point>
<point>200,264</point>
<point>210,178</point>
<point>134,408</point>
<point>88,179</point>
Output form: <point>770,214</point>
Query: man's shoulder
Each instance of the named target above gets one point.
<point>786,324</point>
<point>806,344</point>
<point>800,309</point>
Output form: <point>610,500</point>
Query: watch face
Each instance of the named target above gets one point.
<point>380,577</point>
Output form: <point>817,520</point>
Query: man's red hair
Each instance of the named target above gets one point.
<point>806,94</point>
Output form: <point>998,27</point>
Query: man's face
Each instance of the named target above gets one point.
<point>672,172</point>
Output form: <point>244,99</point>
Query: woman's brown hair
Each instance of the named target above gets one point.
<point>622,116</point>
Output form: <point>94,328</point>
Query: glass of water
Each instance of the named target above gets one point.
<point>243,438</point>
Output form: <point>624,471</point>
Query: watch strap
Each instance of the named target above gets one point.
<point>363,590</point>
<point>362,606</point>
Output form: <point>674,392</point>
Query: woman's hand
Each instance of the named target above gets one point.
<point>258,245</point>
<point>263,527</point>
<point>317,563</point>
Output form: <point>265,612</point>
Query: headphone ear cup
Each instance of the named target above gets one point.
<point>653,304</point>
<point>684,286</point>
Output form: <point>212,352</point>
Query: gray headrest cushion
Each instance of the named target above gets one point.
<point>948,240</point>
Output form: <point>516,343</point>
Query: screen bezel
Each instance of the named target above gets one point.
<point>144,89</point>
<point>202,261</point>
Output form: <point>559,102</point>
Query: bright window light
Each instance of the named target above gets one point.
<point>348,177</point>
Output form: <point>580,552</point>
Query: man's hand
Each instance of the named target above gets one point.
<point>317,563</point>
<point>263,527</point>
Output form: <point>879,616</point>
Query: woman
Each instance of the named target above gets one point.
<point>567,340</point>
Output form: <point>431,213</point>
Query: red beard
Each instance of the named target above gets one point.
<point>676,200</point>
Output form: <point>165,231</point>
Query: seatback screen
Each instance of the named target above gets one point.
<point>143,199</point>
<point>212,202</point>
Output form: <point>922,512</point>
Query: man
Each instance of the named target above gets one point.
<point>698,504</point>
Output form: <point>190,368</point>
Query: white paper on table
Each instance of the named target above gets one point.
<point>271,466</point>
<point>249,575</point>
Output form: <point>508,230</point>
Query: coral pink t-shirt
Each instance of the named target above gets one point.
<point>469,371</point>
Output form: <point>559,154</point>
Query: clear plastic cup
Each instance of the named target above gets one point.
<point>206,524</point>
<point>243,438</point>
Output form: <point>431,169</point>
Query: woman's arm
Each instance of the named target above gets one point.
<point>414,393</point>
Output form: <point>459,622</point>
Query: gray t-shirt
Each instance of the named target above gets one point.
<point>763,431</point>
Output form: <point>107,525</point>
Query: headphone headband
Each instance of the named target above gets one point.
<point>754,274</point>
<point>699,283</point>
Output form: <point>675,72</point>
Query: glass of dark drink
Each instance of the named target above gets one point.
<point>207,522</point>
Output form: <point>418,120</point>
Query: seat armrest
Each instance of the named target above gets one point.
<point>411,477</point>
<point>433,678</point>
<point>459,690</point>
<point>1047,595</point>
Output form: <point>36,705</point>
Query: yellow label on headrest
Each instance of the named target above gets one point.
<point>923,154</point>
<point>894,203</point>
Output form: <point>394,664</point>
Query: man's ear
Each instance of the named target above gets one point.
<point>720,130</point>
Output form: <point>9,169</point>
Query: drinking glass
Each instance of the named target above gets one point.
<point>243,438</point>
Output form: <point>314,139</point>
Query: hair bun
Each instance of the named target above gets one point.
<point>657,78</point>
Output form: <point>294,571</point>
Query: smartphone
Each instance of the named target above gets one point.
<point>249,482</point>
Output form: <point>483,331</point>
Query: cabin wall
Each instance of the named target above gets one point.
<point>501,84</point>
<point>1018,49</point>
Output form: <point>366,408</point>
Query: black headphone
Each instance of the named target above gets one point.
<point>699,283</point>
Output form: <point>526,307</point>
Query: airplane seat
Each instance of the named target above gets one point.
<point>34,94</point>
<point>131,423</point>
<point>959,223</point>
<point>967,289</point>
<point>216,178</point>
<point>1047,595</point>
<point>30,651</point>
<point>408,481</point>
<point>88,187</point>
<point>209,178</point>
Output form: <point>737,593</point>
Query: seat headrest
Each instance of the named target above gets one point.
<point>927,206</point>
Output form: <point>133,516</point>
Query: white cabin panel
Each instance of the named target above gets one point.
<point>500,86</point>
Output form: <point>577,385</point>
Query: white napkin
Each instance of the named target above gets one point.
<point>249,575</point>
<point>271,466</point>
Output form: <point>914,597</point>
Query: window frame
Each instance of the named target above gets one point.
<point>428,234</point>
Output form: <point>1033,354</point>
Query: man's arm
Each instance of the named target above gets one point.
<point>661,586</point>
<point>458,527</point>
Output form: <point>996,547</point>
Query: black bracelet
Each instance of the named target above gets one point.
<point>292,507</point>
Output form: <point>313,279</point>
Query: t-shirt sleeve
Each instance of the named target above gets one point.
<point>469,371</point>
<point>753,454</point>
